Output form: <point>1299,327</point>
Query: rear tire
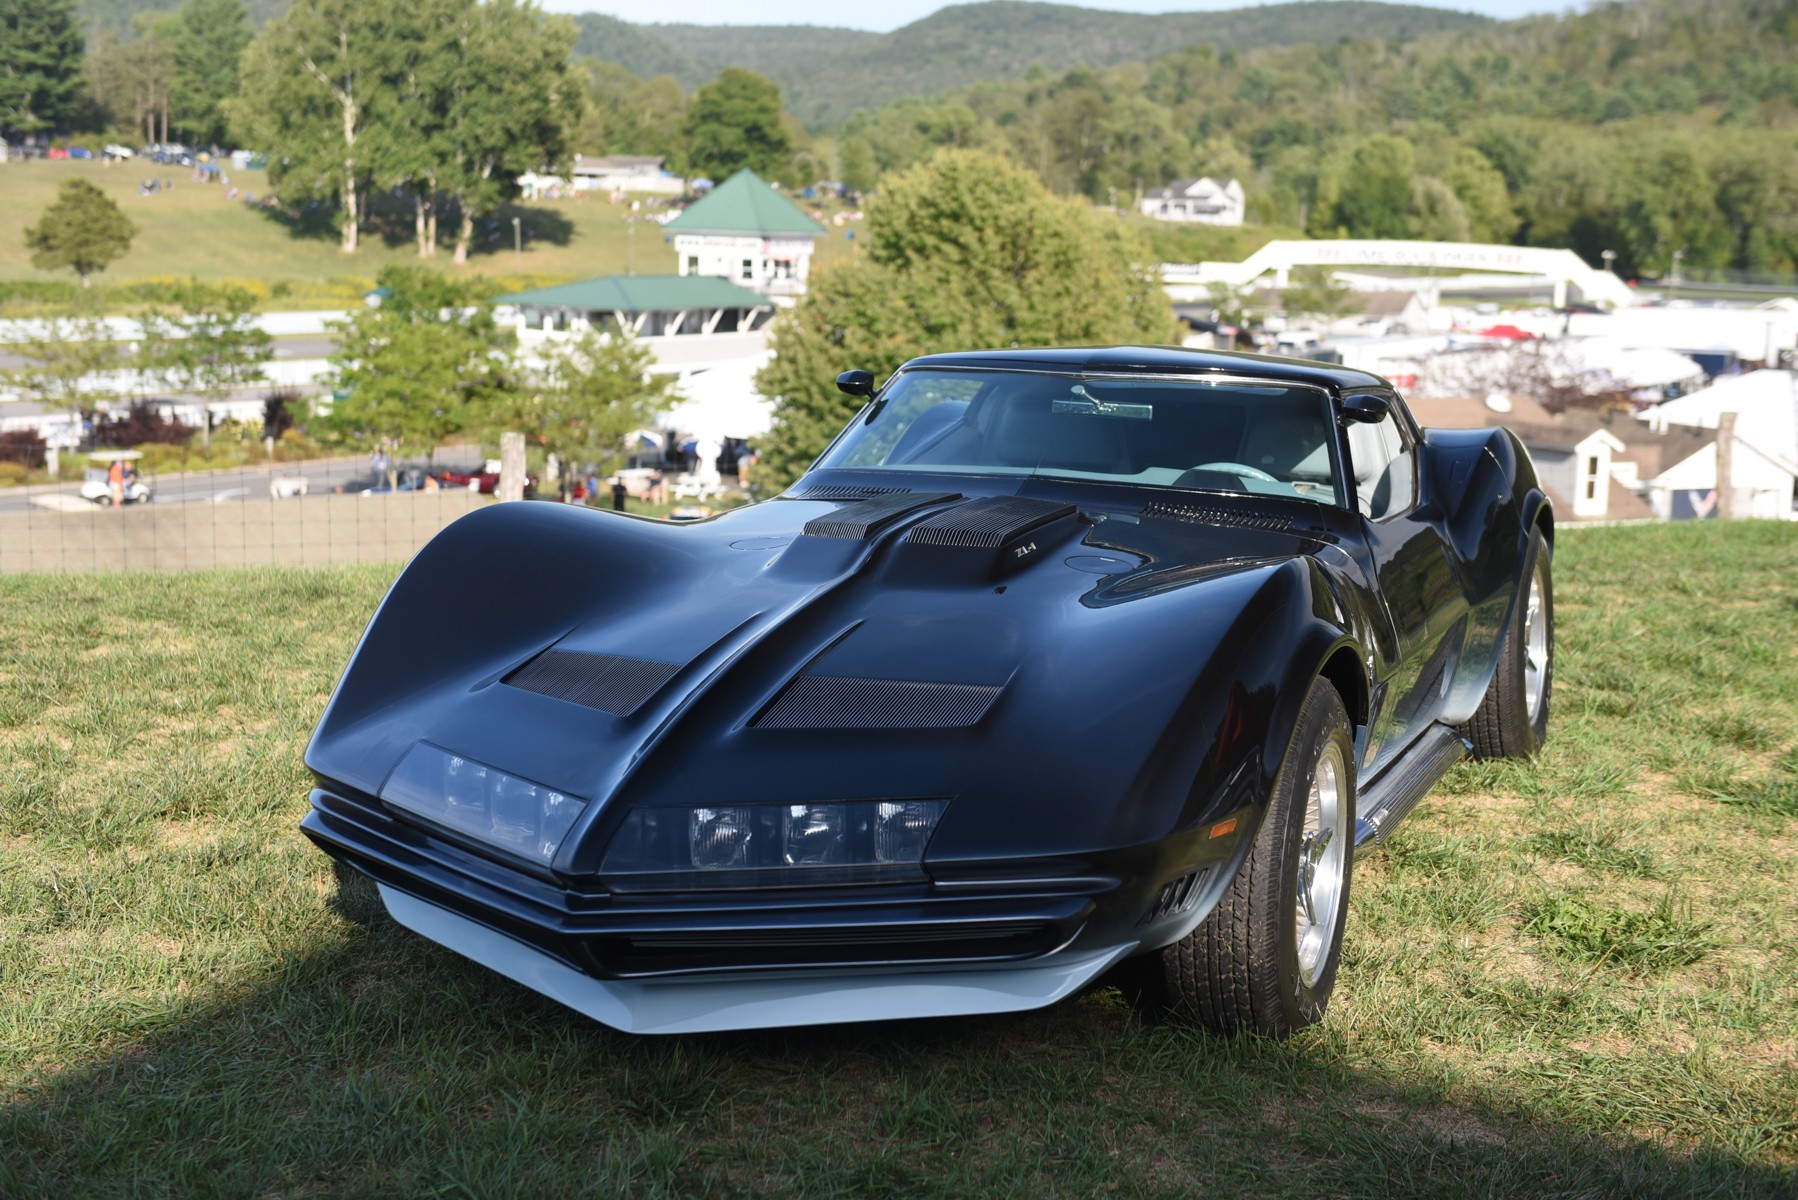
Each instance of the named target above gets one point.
<point>1264,961</point>
<point>1512,720</point>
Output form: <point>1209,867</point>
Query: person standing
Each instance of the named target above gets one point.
<point>618,494</point>
<point>115,481</point>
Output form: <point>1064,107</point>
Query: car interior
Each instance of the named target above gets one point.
<point>1268,439</point>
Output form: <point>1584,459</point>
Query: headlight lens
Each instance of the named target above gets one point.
<point>771,845</point>
<point>508,812</point>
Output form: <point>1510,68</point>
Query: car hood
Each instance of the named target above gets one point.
<point>831,645</point>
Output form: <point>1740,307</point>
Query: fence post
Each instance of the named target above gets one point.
<point>1726,460</point>
<point>511,466</point>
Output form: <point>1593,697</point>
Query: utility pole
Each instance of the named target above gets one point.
<point>517,243</point>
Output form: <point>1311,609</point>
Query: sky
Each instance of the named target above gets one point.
<point>891,14</point>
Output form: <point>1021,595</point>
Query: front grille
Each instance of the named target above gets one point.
<point>835,702</point>
<point>676,951</point>
<point>987,523</point>
<point>860,520</point>
<point>1202,515</point>
<point>603,681</point>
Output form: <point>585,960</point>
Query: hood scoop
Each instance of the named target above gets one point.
<point>603,681</point>
<point>863,518</point>
<point>988,523</point>
<point>836,702</point>
<point>832,491</point>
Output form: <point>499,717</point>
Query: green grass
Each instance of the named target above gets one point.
<point>1577,977</point>
<point>193,230</point>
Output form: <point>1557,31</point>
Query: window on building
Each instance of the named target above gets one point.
<point>749,268</point>
<point>692,264</point>
<point>1592,468</point>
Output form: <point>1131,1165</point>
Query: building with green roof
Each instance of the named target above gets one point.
<point>745,231</point>
<point>652,306</point>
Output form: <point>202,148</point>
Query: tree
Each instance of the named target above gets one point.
<point>213,346</point>
<point>208,39</point>
<point>311,95</point>
<point>509,105</point>
<point>965,250</point>
<point>133,79</point>
<point>415,368</point>
<point>1483,195</point>
<point>1316,292</point>
<point>40,64</point>
<point>734,122</point>
<point>67,358</point>
<point>589,395</point>
<point>84,230</point>
<point>1375,196</point>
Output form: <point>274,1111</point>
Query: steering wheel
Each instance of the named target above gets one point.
<point>1236,468</point>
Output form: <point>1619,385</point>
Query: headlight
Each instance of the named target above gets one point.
<point>505,811</point>
<point>771,845</point>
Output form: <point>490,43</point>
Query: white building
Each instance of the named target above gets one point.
<point>1203,200</point>
<point>745,231</point>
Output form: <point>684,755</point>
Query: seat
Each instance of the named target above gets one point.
<point>1289,439</point>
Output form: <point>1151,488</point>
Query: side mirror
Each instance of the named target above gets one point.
<point>856,383</point>
<point>1363,408</point>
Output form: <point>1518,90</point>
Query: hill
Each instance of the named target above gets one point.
<point>827,74</point>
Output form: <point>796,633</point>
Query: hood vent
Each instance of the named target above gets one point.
<point>1200,515</point>
<point>835,491</point>
<point>835,702</point>
<point>988,523</point>
<point>863,519</point>
<point>603,681</point>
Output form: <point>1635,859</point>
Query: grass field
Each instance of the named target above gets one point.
<point>194,230</point>
<point>1572,978</point>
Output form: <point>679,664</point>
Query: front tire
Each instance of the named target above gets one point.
<point>1512,720</point>
<point>1265,960</point>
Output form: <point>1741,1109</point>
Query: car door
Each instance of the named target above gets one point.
<point>1410,560</point>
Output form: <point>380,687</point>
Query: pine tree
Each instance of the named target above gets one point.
<point>84,230</point>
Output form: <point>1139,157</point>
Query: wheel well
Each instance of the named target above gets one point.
<point>1545,521</point>
<point>1343,670</point>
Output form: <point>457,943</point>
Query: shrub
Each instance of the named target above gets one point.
<point>24,447</point>
<point>278,412</point>
<point>140,425</point>
<point>11,473</point>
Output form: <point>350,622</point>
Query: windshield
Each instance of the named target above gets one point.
<point>1221,435</point>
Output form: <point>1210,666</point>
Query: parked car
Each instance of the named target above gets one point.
<point>1056,663</point>
<point>404,479</point>
<point>114,150</point>
<point>96,484</point>
<point>80,152</point>
<point>484,480</point>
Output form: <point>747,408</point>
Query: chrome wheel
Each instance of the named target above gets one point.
<point>1535,646</point>
<point>1323,853</point>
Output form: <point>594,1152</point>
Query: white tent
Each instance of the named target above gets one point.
<point>1765,404</point>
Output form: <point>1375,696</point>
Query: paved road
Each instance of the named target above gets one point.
<point>322,478</point>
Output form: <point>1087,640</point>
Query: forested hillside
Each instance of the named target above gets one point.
<point>1645,128</point>
<point>827,74</point>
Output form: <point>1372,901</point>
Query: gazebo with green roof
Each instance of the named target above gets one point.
<point>745,231</point>
<point>647,305</point>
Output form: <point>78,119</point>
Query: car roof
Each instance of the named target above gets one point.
<point>110,455</point>
<point>1169,360</point>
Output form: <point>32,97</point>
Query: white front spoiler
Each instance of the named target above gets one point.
<point>709,1005</point>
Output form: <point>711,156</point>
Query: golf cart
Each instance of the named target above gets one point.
<point>96,485</point>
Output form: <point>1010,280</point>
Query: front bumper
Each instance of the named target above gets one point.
<point>688,963</point>
<point>714,1004</point>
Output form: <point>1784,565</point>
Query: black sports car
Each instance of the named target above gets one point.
<point>1055,659</point>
